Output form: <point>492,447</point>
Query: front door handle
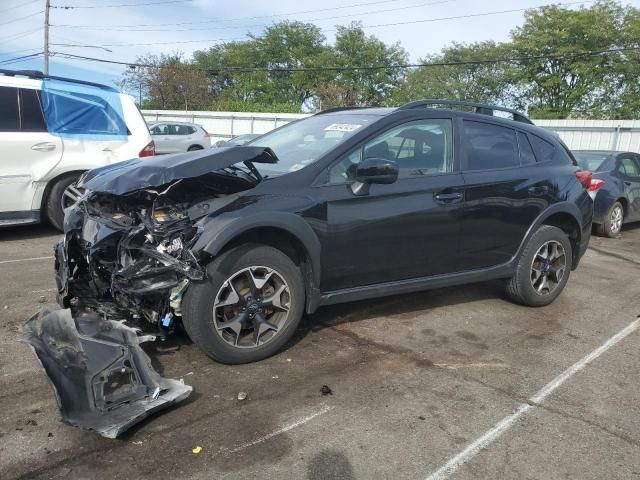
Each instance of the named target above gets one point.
<point>448,197</point>
<point>44,147</point>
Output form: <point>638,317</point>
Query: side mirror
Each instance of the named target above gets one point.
<point>373,170</point>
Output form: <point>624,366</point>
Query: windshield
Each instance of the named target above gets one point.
<point>591,161</point>
<point>300,143</point>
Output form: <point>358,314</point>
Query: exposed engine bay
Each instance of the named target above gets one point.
<point>127,256</point>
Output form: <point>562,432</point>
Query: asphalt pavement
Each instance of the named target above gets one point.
<point>453,383</point>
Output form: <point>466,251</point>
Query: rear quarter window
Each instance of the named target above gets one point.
<point>546,151</point>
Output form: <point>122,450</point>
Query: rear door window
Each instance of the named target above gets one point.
<point>490,146</point>
<point>31,117</point>
<point>9,120</point>
<point>629,167</point>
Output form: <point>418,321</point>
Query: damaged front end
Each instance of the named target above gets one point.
<point>127,256</point>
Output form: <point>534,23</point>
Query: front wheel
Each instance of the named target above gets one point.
<point>543,268</point>
<point>248,307</point>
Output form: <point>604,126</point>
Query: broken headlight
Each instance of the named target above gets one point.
<point>167,214</point>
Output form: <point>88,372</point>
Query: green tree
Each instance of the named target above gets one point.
<point>285,48</point>
<point>556,81</point>
<point>167,81</point>
<point>370,86</point>
<point>487,82</point>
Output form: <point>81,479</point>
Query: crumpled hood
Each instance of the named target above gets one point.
<point>131,175</point>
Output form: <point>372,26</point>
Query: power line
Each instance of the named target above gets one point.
<point>563,56</point>
<point>18,6</point>
<point>222,20</point>
<point>22,58</point>
<point>15,36</point>
<point>306,21</point>
<point>70,7</point>
<point>22,18</point>
<point>408,22</point>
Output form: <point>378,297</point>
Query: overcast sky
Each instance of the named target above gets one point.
<point>206,22</point>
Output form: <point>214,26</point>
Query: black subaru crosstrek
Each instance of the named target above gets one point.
<point>238,243</point>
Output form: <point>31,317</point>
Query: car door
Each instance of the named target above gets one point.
<point>628,166</point>
<point>408,229</point>
<point>503,193</point>
<point>27,151</point>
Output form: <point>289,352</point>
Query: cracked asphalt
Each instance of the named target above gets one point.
<point>413,379</point>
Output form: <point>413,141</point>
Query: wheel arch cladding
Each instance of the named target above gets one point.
<point>564,216</point>
<point>288,233</point>
<point>569,224</point>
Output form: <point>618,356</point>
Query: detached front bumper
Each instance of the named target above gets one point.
<point>102,379</point>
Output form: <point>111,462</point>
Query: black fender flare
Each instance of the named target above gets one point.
<point>218,231</point>
<point>562,207</point>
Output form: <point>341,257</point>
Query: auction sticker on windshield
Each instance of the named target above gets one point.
<point>342,127</point>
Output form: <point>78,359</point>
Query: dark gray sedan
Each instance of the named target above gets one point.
<point>616,183</point>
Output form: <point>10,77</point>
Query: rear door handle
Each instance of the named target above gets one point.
<point>44,147</point>
<point>448,197</point>
<point>539,190</point>
<point>628,184</point>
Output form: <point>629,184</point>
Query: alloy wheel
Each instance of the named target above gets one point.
<point>615,220</point>
<point>548,267</point>
<point>251,307</point>
<point>71,195</point>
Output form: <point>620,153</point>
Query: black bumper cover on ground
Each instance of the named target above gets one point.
<point>102,379</point>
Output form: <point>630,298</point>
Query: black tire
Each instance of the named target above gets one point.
<point>194,147</point>
<point>608,228</point>
<point>55,211</point>
<point>520,287</point>
<point>199,300</point>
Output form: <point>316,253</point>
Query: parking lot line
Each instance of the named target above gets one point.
<point>25,259</point>
<point>503,425</point>
<point>284,429</point>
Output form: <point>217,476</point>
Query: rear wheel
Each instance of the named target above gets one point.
<point>248,307</point>
<point>613,222</point>
<point>63,194</point>
<point>543,268</point>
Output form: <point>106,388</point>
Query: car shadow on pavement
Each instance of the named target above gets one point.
<point>403,306</point>
<point>27,232</point>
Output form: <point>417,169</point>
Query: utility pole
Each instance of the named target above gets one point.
<point>47,7</point>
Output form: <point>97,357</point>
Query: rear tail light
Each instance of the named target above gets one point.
<point>596,183</point>
<point>206,134</point>
<point>584,177</point>
<point>148,151</point>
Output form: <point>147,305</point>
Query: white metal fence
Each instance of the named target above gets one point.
<point>577,134</point>
<point>597,134</point>
<point>224,125</point>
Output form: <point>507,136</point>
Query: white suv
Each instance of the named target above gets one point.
<point>52,130</point>
<point>176,137</point>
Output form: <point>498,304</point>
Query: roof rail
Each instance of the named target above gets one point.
<point>39,75</point>
<point>481,108</point>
